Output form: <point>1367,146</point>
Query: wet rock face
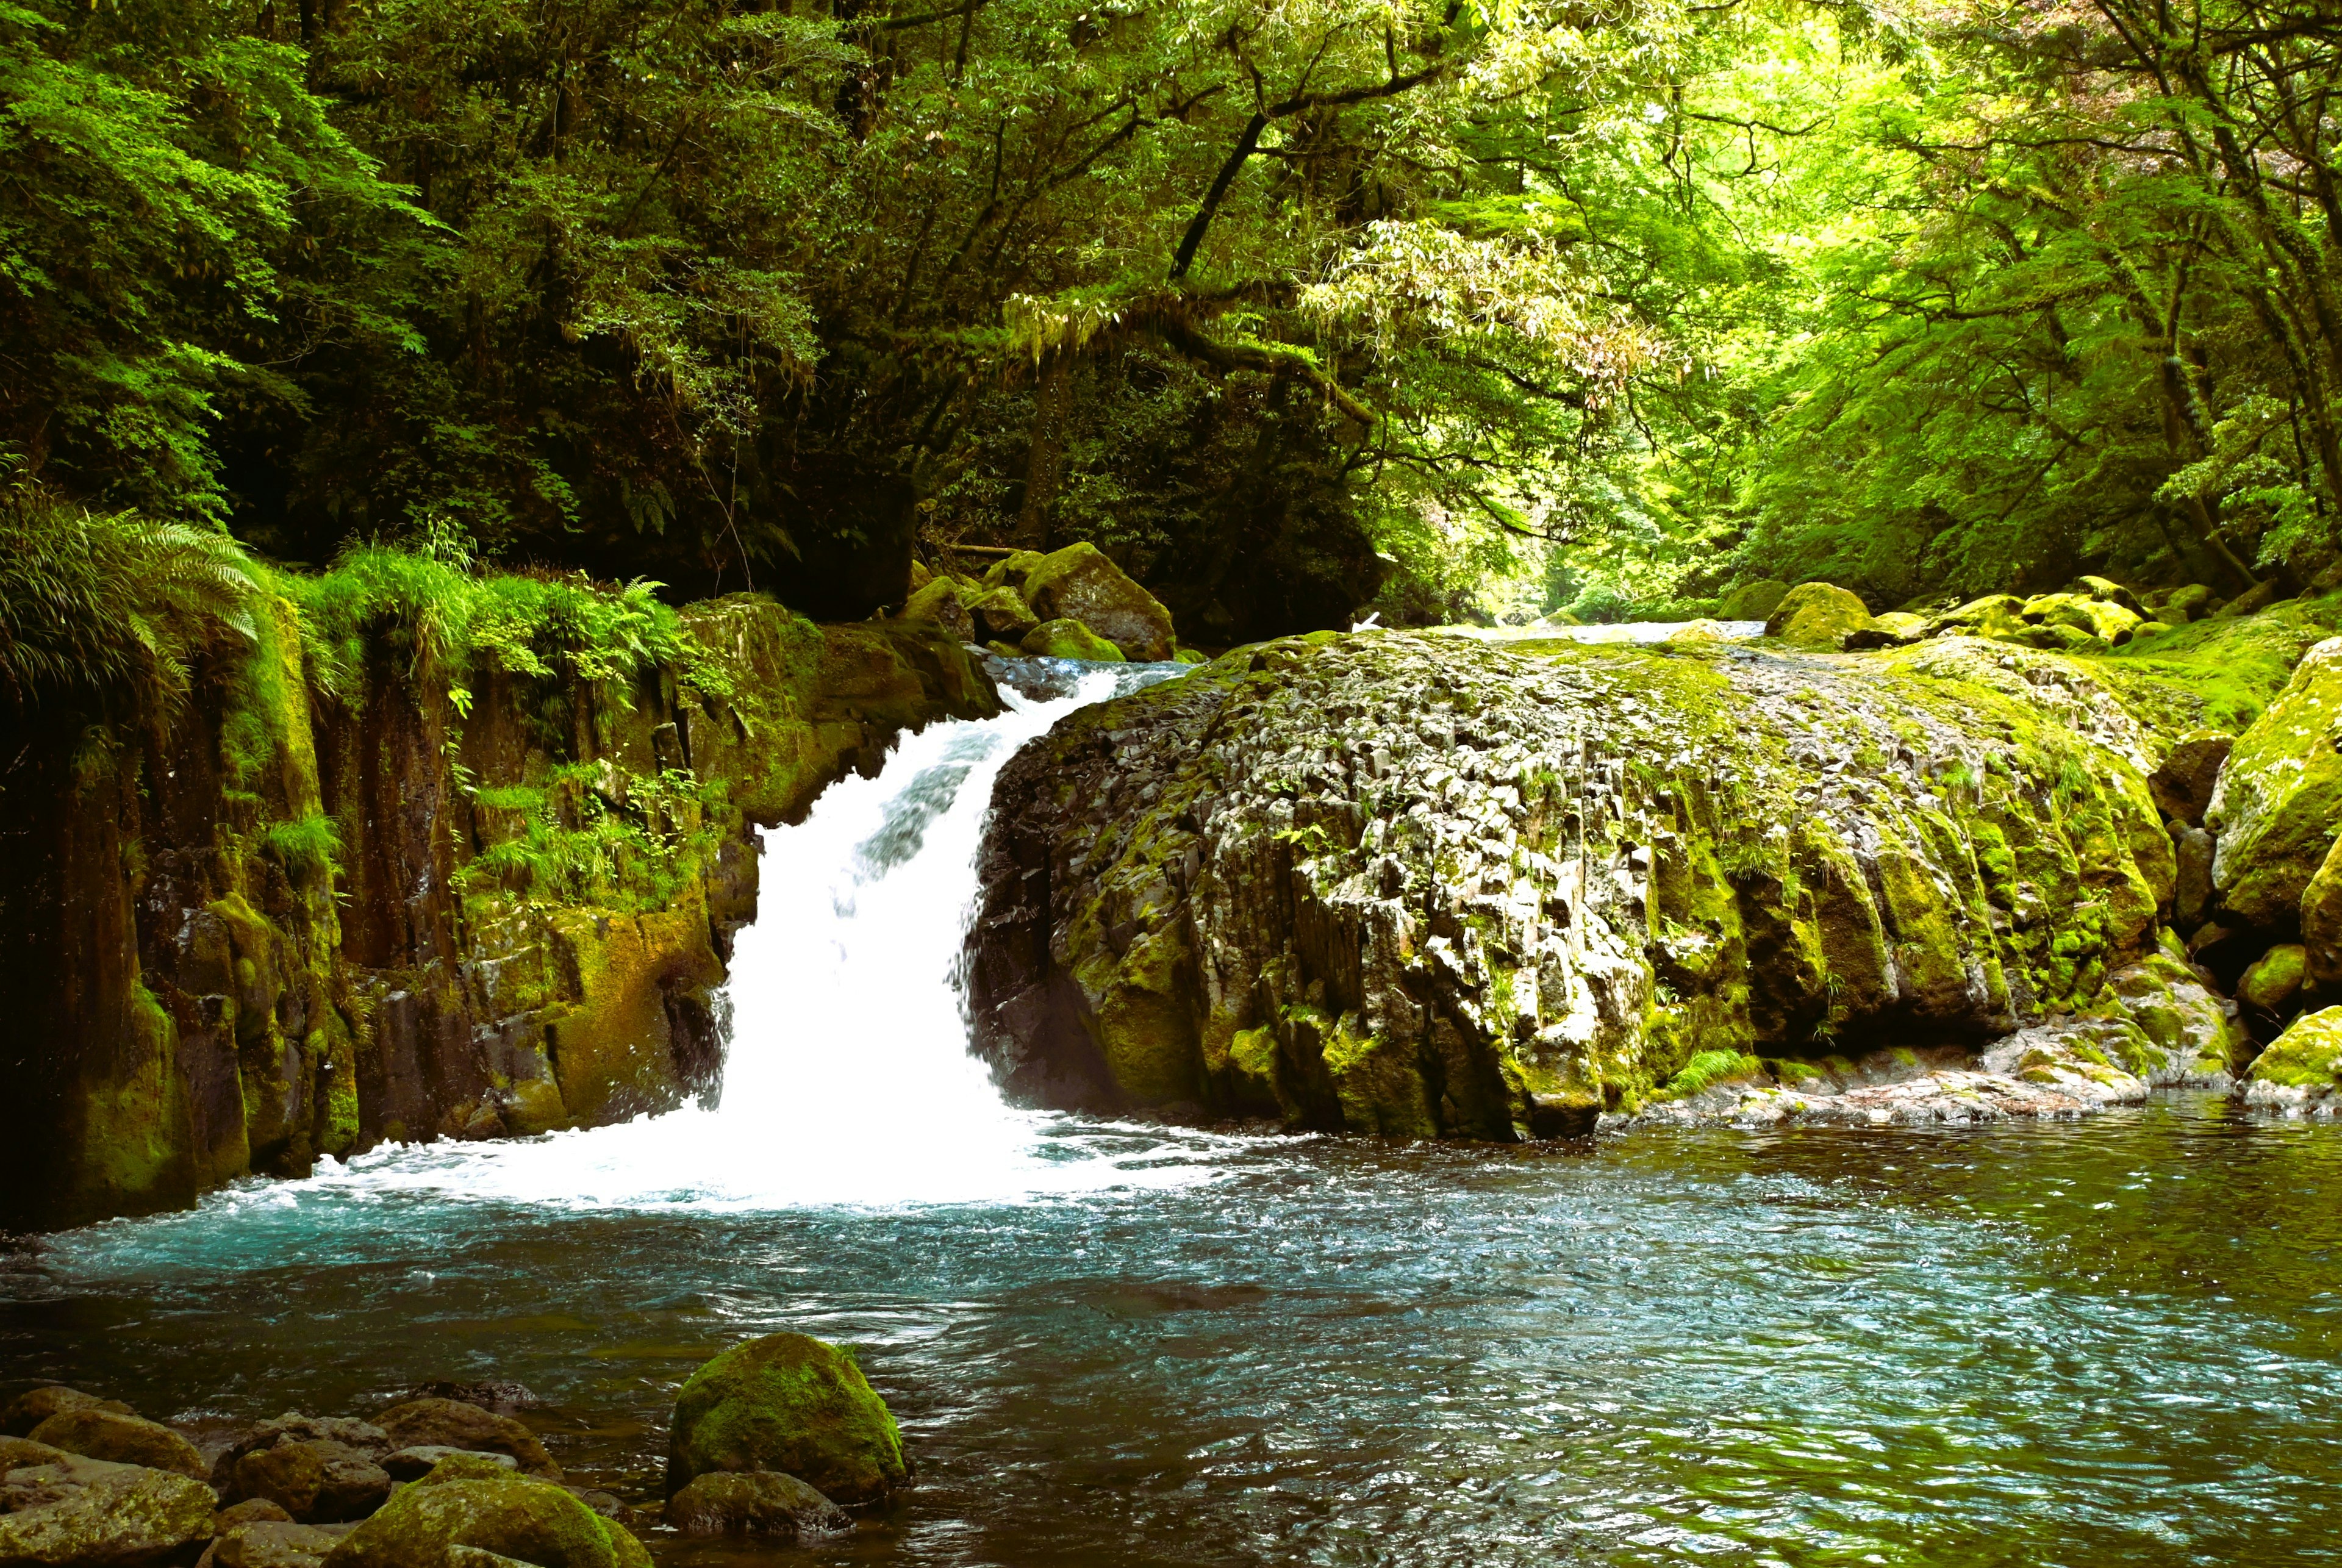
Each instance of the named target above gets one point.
<point>1435,887</point>
<point>306,921</point>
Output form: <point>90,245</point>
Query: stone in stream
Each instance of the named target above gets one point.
<point>755,1502</point>
<point>75,1511</point>
<point>1079,583</point>
<point>789,1403</point>
<point>1069,639</point>
<point>316,1482</point>
<point>35,1405</point>
<point>272,1544</point>
<point>1435,887</point>
<point>1003,615</point>
<point>503,1398</point>
<point>2301,1071</point>
<point>1752,601</point>
<point>470,1501</point>
<point>452,1423</point>
<point>123,1439</point>
<point>943,602</point>
<point>414,1463</point>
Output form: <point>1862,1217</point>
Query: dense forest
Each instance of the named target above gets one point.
<point>1446,310</point>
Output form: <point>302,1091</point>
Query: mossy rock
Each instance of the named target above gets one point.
<point>1816,616</point>
<point>1078,583</point>
<point>121,1439</point>
<point>1752,601</point>
<point>89,1510</point>
<point>434,1422</point>
<point>942,602</point>
<point>1002,614</point>
<point>1189,657</point>
<point>790,1403</point>
<point>2192,602</point>
<point>2321,920</point>
<point>2308,1055</point>
<point>472,1503</point>
<point>2275,978</point>
<point>2110,592</point>
<point>2108,622</point>
<point>1895,629</point>
<point>2279,798</point>
<point>35,1405</point>
<point>1012,568</point>
<point>1066,639</point>
<point>758,1502</point>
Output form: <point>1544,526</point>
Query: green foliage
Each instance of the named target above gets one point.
<point>587,835</point>
<point>557,626</point>
<point>108,607</point>
<point>308,848</point>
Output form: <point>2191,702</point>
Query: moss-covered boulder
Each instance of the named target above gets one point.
<point>455,1423</point>
<point>272,1544</point>
<point>1003,615</point>
<point>1895,629</point>
<point>1752,601</point>
<point>1012,569</point>
<point>2321,921</point>
<point>2279,803</point>
<point>2195,1032</point>
<point>2301,1071</point>
<point>123,1439</point>
<point>793,1404</point>
<point>1816,616</point>
<point>2192,602</point>
<point>2273,980</point>
<point>315,1481</point>
<point>943,603</point>
<point>1431,886</point>
<point>1078,583</point>
<point>2107,622</point>
<point>754,1503</point>
<point>474,1504</point>
<point>1068,639</point>
<point>78,1510</point>
<point>35,1405</point>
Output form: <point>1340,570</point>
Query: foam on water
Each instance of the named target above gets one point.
<point>848,1080</point>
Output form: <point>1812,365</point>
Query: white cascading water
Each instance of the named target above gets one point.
<point>848,1080</point>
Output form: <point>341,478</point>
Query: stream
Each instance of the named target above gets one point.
<point>2116,1341</point>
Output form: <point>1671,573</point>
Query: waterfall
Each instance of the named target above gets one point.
<point>848,1079</point>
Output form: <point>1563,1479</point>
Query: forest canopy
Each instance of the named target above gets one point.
<point>1297,307</point>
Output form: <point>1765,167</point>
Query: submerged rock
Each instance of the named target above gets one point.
<point>473,1503</point>
<point>757,1502</point>
<point>1437,887</point>
<point>793,1404</point>
<point>77,1511</point>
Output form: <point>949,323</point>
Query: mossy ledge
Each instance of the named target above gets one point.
<point>1437,887</point>
<point>426,855</point>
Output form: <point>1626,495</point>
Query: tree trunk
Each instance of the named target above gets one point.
<point>1045,467</point>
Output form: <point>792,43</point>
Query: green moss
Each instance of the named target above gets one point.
<point>1707,1069</point>
<point>307,848</point>
<point>2308,1055</point>
<point>789,1403</point>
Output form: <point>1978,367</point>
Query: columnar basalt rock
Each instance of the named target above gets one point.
<point>286,920</point>
<point>1434,887</point>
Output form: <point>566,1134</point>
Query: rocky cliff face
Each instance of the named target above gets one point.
<point>1435,887</point>
<point>281,922</point>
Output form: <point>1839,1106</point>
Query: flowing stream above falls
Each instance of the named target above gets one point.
<point>2117,1341</point>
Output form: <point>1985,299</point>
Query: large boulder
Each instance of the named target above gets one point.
<point>2107,622</point>
<point>1816,616</point>
<point>2279,803</point>
<point>1078,583</point>
<point>452,1423</point>
<point>2301,1071</point>
<point>77,1511</point>
<point>789,1403</point>
<point>35,1405</point>
<point>2272,981</point>
<point>2184,781</point>
<point>1752,601</point>
<point>755,1502</point>
<point>123,1439</point>
<point>1434,887</point>
<point>475,1504</point>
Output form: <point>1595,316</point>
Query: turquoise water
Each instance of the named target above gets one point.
<point>2111,1342</point>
